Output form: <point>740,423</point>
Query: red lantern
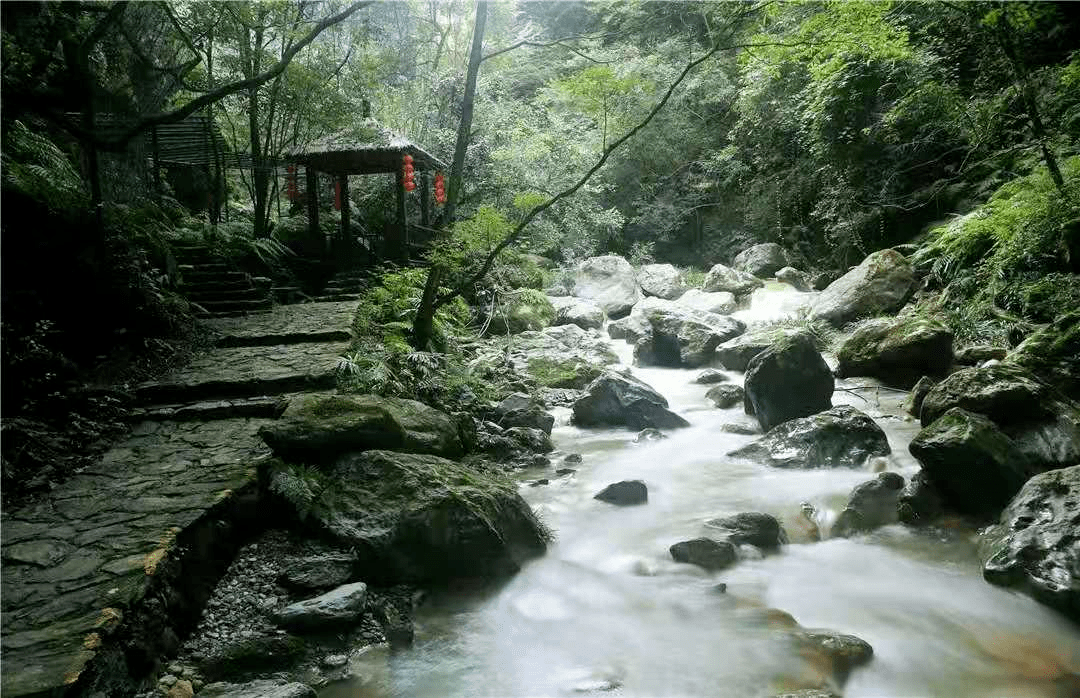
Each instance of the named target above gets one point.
<point>409,186</point>
<point>407,159</point>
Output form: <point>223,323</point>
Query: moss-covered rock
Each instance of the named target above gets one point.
<point>564,356</point>
<point>681,336</point>
<point>522,310</point>
<point>735,354</point>
<point>788,380</point>
<point>1053,354</point>
<point>881,284</point>
<point>416,518</point>
<point>839,437</point>
<point>724,278</point>
<point>318,428</point>
<point>897,350</point>
<point>619,399</point>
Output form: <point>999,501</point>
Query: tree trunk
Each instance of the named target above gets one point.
<point>457,167</point>
<point>259,178</point>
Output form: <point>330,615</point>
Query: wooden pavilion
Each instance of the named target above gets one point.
<point>370,149</point>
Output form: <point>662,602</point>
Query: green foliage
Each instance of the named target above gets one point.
<point>34,166</point>
<point>300,486</point>
<point>518,311</point>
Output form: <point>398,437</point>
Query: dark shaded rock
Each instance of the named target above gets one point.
<point>733,281</point>
<point>342,606</point>
<point>572,458</point>
<point>839,437</point>
<point>681,336</point>
<point>240,655</point>
<point>1036,546</point>
<point>577,311</point>
<point>710,376</point>
<point>318,428</point>
<point>619,399</point>
<point>913,405</point>
<point>976,354</point>
<point>976,468</point>
<point>538,483</point>
<point>919,503</point>
<point>820,280</point>
<point>720,302</point>
<point>845,652</point>
<point>897,350</point>
<point>1044,424</point>
<point>661,280</point>
<point>263,688</point>
<point>512,402</point>
<point>531,418</point>
<point>762,260</point>
<point>319,571</point>
<point>608,281</point>
<point>788,380</point>
<point>726,395</point>
<point>735,354</point>
<point>560,397</point>
<point>1053,354</point>
<point>565,471</point>
<point>624,493</point>
<point>794,278</point>
<point>752,528</point>
<point>709,554</point>
<point>880,285</point>
<point>871,504</point>
<point>423,519</point>
<point>531,440</point>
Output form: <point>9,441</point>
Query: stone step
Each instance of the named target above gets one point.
<point>345,288</point>
<point>227,294</point>
<point>204,267</point>
<point>236,372</point>
<point>215,286</point>
<point>228,314</point>
<point>198,277</point>
<point>237,305</point>
<point>272,339</point>
<point>287,294</point>
<point>335,297</point>
<point>261,406</point>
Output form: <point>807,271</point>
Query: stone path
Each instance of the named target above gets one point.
<point>79,562</point>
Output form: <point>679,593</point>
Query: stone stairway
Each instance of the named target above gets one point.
<point>218,289</point>
<point>345,285</point>
<point>106,573</point>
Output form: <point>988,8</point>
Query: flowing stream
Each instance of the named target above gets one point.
<point>607,612</point>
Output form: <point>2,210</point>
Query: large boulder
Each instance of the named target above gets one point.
<point>791,276</point>
<point>788,380</point>
<point>1043,424</point>
<point>919,391</point>
<point>919,503</point>
<point>423,519</point>
<point>520,311</point>
<point>872,504</point>
<point>838,437</point>
<point>720,302</point>
<point>735,354</point>
<point>976,468</point>
<point>625,493</point>
<point>326,571</point>
<point>318,427</point>
<point>1053,354</point>
<point>706,553</point>
<point>726,395</point>
<point>878,286</point>
<point>682,336</point>
<point>897,350</point>
<point>339,607</point>
<point>577,311</point>
<point>1036,546</point>
<point>762,260</point>
<point>610,282</point>
<point>556,357</point>
<point>751,528</point>
<point>661,280</point>
<point>619,399</point>
<point>723,278</point>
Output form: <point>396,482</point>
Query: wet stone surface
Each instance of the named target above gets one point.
<point>286,322</point>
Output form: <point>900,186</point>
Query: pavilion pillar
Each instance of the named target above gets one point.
<point>345,237</point>
<point>398,249</point>
<point>313,208</point>
<point>425,200</point>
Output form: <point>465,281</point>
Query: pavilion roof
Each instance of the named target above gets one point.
<point>370,148</point>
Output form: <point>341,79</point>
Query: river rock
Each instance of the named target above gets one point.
<point>897,350</point>
<point>751,528</point>
<point>762,260</point>
<point>838,437</point>
<point>260,652</point>
<point>565,356</point>
<point>577,311</point>
<point>608,281</point>
<point>976,468</point>
<point>423,519</point>
<point>512,402</point>
<point>1043,423</point>
<point>646,435</point>
<point>619,399</point>
<point>844,652</point>
<point>735,354</point>
<point>719,302</point>
<point>341,606</point>
<point>1036,546</point>
<point>919,503</point>
<point>880,285</point>
<point>726,395</point>
<point>262,688</point>
<point>625,493</point>
<point>733,281</point>
<point>529,417</point>
<point>519,311</point>
<point>788,380</point>
<point>872,504</point>
<point>706,553</point>
<point>710,376</point>
<point>319,427</point>
<point>913,404</point>
<point>1053,354</point>
<point>682,336</point>
<point>661,280</point>
<point>794,278</point>
<point>316,572</point>
<point>978,353</point>
<point>808,693</point>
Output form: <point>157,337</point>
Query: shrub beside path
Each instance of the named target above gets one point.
<point>103,575</point>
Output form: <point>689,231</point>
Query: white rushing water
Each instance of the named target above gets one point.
<point>607,612</point>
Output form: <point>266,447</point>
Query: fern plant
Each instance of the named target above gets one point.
<point>300,486</point>
<point>36,167</point>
